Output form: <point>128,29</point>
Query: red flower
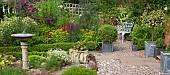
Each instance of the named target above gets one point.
<point>99,21</point>
<point>48,35</point>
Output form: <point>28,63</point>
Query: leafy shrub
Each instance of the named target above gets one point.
<point>88,36</point>
<point>12,71</point>
<point>52,64</point>
<point>43,29</point>
<point>85,46</point>
<point>108,33</point>
<point>59,35</point>
<point>158,32</point>
<point>135,40</point>
<point>15,25</point>
<point>35,61</point>
<point>80,46</point>
<point>141,44</point>
<point>160,43</point>
<point>74,37</point>
<point>52,12</point>
<point>144,33</point>
<point>79,71</point>
<point>41,40</point>
<point>6,60</point>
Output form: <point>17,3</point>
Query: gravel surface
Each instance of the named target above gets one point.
<point>114,66</point>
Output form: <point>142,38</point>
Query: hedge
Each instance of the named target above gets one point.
<point>18,55</point>
<point>46,47</point>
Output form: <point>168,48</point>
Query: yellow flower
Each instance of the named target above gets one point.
<point>166,8</point>
<point>91,32</point>
<point>82,30</point>
<point>2,63</point>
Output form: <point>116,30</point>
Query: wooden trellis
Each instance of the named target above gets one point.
<point>73,9</point>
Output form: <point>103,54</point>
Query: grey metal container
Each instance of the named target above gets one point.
<point>107,47</point>
<point>134,47</point>
<point>157,51</point>
<point>165,62</point>
<point>149,48</point>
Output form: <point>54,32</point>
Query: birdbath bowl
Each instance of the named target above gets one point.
<point>24,37</point>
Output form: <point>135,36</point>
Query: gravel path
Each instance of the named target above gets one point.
<point>115,66</point>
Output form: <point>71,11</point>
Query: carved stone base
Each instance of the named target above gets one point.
<point>78,56</point>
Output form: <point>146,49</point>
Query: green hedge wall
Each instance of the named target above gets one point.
<point>46,47</point>
<point>18,55</point>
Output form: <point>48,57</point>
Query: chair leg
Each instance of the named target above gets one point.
<point>122,37</point>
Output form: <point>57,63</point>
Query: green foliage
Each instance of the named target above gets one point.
<point>78,71</point>
<point>142,33</point>
<point>18,55</point>
<point>10,49</point>
<point>159,32</point>
<point>160,43</point>
<point>6,60</point>
<point>74,37</point>
<point>141,44</point>
<point>59,35</point>
<point>153,18</point>
<point>12,71</point>
<point>80,46</point>
<point>35,61</point>
<point>168,48</point>
<point>85,46</point>
<point>38,40</point>
<point>52,65</point>
<point>92,45</point>
<point>108,33</point>
<point>15,25</point>
<point>135,40</point>
<point>37,49</point>
<point>50,11</point>
<point>43,29</point>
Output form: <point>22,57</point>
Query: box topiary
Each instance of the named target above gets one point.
<point>78,71</point>
<point>35,61</point>
<point>108,33</point>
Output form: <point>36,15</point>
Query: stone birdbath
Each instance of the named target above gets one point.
<point>24,37</point>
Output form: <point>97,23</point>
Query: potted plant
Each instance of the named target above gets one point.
<point>107,34</point>
<point>160,46</point>
<point>152,19</point>
<point>79,52</point>
<point>134,45</point>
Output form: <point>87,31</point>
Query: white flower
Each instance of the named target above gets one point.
<point>166,8</point>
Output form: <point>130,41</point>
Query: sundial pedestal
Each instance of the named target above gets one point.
<point>24,46</point>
